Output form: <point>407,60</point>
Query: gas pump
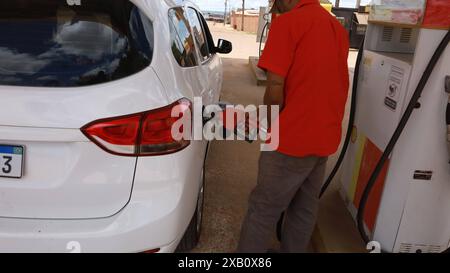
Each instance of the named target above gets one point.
<point>396,170</point>
<point>266,16</point>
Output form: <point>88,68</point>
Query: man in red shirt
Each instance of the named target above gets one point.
<point>306,61</point>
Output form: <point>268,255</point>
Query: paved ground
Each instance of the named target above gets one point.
<point>244,44</point>
<point>232,167</point>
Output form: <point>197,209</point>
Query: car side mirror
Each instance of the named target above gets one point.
<point>224,47</point>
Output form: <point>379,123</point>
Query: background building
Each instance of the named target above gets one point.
<point>250,21</point>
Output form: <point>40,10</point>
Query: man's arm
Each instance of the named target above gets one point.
<point>274,93</point>
<point>277,59</point>
<point>275,90</point>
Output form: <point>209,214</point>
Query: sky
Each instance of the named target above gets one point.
<point>219,5</point>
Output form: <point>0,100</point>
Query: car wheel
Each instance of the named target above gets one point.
<point>192,234</point>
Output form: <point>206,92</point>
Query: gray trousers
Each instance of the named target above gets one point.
<point>289,184</point>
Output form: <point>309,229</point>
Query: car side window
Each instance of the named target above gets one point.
<point>183,46</point>
<point>209,37</point>
<point>199,33</point>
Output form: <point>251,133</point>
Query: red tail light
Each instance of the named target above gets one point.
<point>143,134</point>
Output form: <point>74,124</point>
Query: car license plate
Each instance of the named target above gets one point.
<point>11,161</point>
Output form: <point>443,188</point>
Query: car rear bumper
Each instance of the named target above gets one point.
<point>93,236</point>
<point>163,201</point>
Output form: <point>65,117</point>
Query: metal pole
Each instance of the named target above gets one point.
<point>225,15</point>
<point>358,4</point>
<point>337,4</point>
<point>243,14</point>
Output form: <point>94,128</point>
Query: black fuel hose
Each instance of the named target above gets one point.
<point>351,122</point>
<point>398,131</point>
<point>262,37</point>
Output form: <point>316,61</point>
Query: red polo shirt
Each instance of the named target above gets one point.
<point>309,48</point>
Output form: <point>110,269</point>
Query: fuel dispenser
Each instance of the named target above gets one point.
<point>396,170</point>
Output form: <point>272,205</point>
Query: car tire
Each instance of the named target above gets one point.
<point>192,235</point>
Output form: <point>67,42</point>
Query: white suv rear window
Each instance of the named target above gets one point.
<point>59,43</point>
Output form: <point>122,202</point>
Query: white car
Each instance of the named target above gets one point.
<point>87,160</point>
